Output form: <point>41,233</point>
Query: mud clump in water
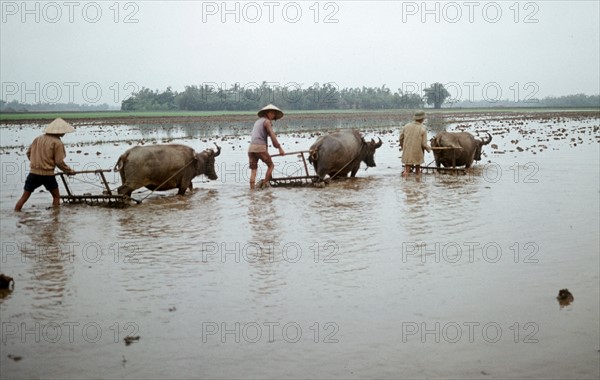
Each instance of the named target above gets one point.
<point>15,358</point>
<point>130,339</point>
<point>565,298</point>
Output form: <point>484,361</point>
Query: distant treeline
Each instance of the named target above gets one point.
<point>317,97</point>
<point>322,97</point>
<point>578,100</point>
<point>236,98</point>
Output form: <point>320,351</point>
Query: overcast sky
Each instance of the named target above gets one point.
<point>95,52</point>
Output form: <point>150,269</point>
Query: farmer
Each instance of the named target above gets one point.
<point>45,153</point>
<point>258,150</point>
<point>413,142</point>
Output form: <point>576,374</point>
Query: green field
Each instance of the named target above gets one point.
<point>112,114</point>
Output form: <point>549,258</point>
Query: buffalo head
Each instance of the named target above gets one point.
<point>370,147</point>
<point>479,145</point>
<point>205,163</point>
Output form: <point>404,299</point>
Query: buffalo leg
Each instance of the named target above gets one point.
<point>468,163</point>
<point>125,190</point>
<point>321,174</point>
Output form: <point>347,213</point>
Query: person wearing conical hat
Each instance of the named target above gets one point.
<point>413,142</point>
<point>258,150</point>
<point>45,153</point>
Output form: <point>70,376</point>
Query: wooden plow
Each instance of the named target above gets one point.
<point>453,169</point>
<point>295,181</point>
<point>107,198</point>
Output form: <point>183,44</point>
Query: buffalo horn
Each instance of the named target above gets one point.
<point>380,143</point>
<point>488,140</point>
<point>218,150</point>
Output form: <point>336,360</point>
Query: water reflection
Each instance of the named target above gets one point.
<point>414,195</point>
<point>48,247</point>
<point>348,226</point>
<point>164,238</point>
<point>190,130</point>
<point>264,250</point>
<point>208,128</point>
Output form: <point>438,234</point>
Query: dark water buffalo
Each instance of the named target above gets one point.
<point>471,148</point>
<point>340,153</point>
<point>170,166</point>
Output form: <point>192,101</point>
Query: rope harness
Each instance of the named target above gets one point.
<point>344,167</point>
<point>167,180</point>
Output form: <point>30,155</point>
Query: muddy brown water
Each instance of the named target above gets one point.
<point>440,276</point>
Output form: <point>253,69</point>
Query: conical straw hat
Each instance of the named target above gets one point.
<point>270,107</point>
<point>419,115</point>
<point>58,127</point>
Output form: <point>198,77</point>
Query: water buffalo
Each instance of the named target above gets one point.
<point>470,148</point>
<point>340,153</point>
<point>164,167</point>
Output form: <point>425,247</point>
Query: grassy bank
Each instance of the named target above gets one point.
<point>41,117</point>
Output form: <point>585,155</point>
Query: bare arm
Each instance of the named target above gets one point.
<point>268,126</point>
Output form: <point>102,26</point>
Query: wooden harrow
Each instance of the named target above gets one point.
<point>107,198</point>
<point>294,181</point>
<point>453,169</point>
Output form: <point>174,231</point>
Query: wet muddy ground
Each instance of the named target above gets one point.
<point>441,276</point>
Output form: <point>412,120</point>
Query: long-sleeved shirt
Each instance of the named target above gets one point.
<point>413,141</point>
<point>45,153</point>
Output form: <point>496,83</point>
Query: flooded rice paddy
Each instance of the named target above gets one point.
<point>441,276</point>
